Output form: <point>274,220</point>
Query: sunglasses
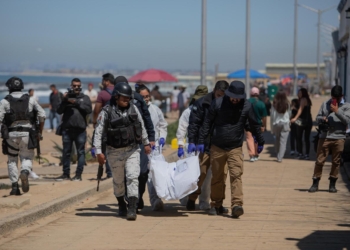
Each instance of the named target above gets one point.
<point>76,86</point>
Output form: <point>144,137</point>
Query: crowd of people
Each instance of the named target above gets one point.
<point>128,126</point>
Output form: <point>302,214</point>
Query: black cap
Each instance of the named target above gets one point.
<point>120,79</point>
<point>236,90</point>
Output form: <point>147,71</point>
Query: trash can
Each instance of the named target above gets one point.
<point>271,91</point>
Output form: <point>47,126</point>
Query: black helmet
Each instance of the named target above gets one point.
<point>122,88</point>
<point>14,83</point>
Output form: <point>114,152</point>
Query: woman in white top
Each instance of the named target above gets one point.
<point>280,123</point>
<point>160,129</point>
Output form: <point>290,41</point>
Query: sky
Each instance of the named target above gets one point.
<point>164,34</point>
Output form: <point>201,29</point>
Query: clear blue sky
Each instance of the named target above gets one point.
<point>156,33</point>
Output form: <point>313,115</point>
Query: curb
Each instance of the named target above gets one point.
<point>15,221</point>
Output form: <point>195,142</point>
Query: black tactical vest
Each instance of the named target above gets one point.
<point>123,131</point>
<point>19,110</point>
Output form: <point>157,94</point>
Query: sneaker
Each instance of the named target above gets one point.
<point>222,210</point>
<point>191,205</point>
<point>109,176</point>
<point>237,211</point>
<point>63,177</point>
<point>33,175</point>
<point>292,153</point>
<point>24,179</point>
<point>256,158</point>
<point>252,159</point>
<point>77,177</point>
<point>158,205</point>
<point>49,130</point>
<point>213,211</point>
<point>301,157</point>
<point>306,157</point>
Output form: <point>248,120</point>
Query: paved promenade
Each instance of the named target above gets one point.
<point>279,214</point>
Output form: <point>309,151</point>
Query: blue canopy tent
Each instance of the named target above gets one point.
<point>241,74</point>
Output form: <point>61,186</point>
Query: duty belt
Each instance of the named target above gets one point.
<point>19,129</point>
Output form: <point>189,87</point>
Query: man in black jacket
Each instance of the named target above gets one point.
<point>146,116</point>
<point>74,107</point>
<point>199,110</point>
<point>227,117</point>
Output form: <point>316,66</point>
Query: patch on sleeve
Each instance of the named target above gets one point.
<point>194,108</point>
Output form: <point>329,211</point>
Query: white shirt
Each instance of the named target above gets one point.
<point>159,123</point>
<point>279,118</point>
<point>181,133</point>
<point>174,95</point>
<point>92,93</point>
<point>185,96</point>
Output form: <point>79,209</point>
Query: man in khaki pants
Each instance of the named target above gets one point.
<point>333,119</point>
<point>225,122</point>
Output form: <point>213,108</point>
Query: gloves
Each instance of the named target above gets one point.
<point>162,142</point>
<point>191,148</point>
<point>93,152</point>
<point>260,148</point>
<point>180,152</point>
<point>200,148</point>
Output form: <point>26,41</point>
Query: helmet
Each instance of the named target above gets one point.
<point>14,83</point>
<point>122,88</point>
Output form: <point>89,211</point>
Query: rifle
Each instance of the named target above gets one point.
<point>99,175</point>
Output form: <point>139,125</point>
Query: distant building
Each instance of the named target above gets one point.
<point>276,70</point>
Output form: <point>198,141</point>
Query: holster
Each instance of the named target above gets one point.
<point>33,139</point>
<point>5,150</point>
<point>4,132</point>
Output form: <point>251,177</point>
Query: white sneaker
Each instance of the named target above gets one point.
<point>252,159</point>
<point>257,158</point>
<point>49,130</point>
<point>33,175</point>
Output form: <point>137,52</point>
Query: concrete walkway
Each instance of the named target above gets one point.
<point>279,214</point>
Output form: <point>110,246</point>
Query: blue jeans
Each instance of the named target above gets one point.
<point>53,115</point>
<point>77,136</point>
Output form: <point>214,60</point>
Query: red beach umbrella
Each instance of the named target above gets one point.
<point>153,75</point>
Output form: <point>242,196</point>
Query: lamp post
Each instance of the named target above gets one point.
<point>247,51</point>
<point>295,47</point>
<point>319,13</point>
<point>204,43</point>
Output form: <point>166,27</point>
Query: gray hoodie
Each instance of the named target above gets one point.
<point>338,122</point>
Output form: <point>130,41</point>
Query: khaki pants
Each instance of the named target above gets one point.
<point>251,145</point>
<point>234,160</point>
<point>204,163</point>
<point>323,148</point>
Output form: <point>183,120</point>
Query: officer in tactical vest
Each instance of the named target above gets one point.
<point>21,121</point>
<point>122,125</point>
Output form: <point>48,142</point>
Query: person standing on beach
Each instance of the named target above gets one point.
<point>102,100</point>
<point>75,107</point>
<point>55,101</point>
<point>18,116</point>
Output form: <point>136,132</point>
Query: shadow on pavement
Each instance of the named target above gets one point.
<point>170,210</point>
<point>334,240</point>
<point>305,190</point>
<point>102,210</point>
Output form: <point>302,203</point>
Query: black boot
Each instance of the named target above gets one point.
<point>191,205</point>
<point>131,215</point>
<point>15,189</point>
<point>332,182</point>
<point>122,206</point>
<point>24,180</point>
<point>314,187</point>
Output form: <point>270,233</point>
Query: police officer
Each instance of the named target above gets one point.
<point>146,116</point>
<point>18,115</point>
<point>122,125</point>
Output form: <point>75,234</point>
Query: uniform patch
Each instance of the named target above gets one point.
<point>194,108</point>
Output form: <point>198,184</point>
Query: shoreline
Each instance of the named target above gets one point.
<point>31,73</point>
